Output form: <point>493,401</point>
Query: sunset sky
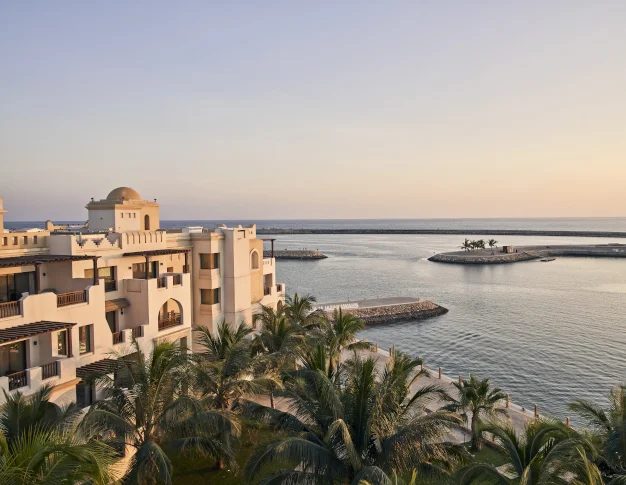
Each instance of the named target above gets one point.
<point>315,109</point>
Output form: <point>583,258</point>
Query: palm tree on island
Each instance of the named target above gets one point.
<point>492,243</point>
<point>467,245</point>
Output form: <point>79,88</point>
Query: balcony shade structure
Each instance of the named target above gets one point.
<point>117,304</point>
<point>161,252</point>
<point>21,332</point>
<point>270,239</point>
<point>97,368</point>
<point>37,261</point>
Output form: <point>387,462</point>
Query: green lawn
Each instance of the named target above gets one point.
<point>196,471</point>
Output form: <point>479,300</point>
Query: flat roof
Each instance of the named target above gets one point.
<point>157,252</point>
<point>21,332</point>
<point>16,261</point>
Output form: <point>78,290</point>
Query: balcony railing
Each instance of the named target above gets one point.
<point>137,332</point>
<point>178,280</point>
<point>17,380</point>
<point>169,320</point>
<point>161,282</point>
<point>110,285</point>
<point>118,338</point>
<point>9,309</point>
<point>279,288</point>
<point>71,298</point>
<point>50,370</point>
<point>267,291</point>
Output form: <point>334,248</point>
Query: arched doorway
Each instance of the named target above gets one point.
<point>170,314</point>
<point>146,222</point>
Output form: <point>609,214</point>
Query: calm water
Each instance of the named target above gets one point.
<point>545,332</point>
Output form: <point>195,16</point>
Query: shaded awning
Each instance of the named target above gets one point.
<point>97,368</point>
<point>118,303</point>
<point>157,252</point>
<point>21,332</point>
<point>16,261</point>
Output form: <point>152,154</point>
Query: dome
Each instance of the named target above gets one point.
<point>124,193</point>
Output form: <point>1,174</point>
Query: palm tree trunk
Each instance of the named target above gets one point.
<point>272,399</point>
<point>476,441</point>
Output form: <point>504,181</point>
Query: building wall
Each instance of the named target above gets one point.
<point>256,275</point>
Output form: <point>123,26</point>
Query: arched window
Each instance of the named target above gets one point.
<point>254,259</point>
<point>170,314</point>
<point>146,222</point>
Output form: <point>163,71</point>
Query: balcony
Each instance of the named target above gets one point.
<point>137,332</point>
<point>169,320</point>
<point>162,282</point>
<point>110,285</point>
<point>118,338</point>
<point>267,290</point>
<point>17,380</point>
<point>71,298</point>
<point>177,280</point>
<point>9,309</point>
<point>50,370</point>
<point>280,288</point>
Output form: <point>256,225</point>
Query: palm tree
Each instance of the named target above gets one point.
<point>545,451</point>
<point>609,427</point>
<point>20,414</point>
<point>278,343</point>
<point>225,367</point>
<point>467,245</point>
<point>359,428</point>
<point>42,456</point>
<point>480,244</point>
<point>479,399</point>
<point>149,408</point>
<point>340,335</point>
<point>301,311</point>
<point>492,243</point>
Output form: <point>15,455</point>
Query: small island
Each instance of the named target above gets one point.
<point>487,252</point>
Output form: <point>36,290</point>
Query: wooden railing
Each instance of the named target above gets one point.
<point>118,338</point>
<point>50,370</point>
<point>178,279</point>
<point>17,380</point>
<point>137,332</point>
<point>9,309</point>
<point>71,298</point>
<point>110,285</point>
<point>168,320</point>
<point>161,282</point>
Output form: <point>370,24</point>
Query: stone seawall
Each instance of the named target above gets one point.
<point>398,313</point>
<point>303,254</point>
<point>497,259</point>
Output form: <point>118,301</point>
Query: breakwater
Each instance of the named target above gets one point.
<point>529,253</point>
<point>388,310</point>
<point>303,254</point>
<point>462,232</point>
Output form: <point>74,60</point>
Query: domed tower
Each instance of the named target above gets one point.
<point>123,210</point>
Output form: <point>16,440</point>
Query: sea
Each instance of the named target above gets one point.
<point>547,333</point>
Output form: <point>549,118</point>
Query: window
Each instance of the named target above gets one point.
<point>25,239</point>
<point>12,358</point>
<point>129,215</point>
<point>84,395</point>
<point>209,260</point>
<point>183,343</point>
<point>5,241</point>
<point>111,318</point>
<point>210,297</point>
<point>122,215</point>
<point>84,339</point>
<point>13,285</point>
<point>15,240</point>
<point>134,215</point>
<point>146,222</point>
<point>62,342</point>
<point>139,270</point>
<point>34,239</point>
<point>254,259</point>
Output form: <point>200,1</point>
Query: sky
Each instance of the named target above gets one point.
<point>351,109</point>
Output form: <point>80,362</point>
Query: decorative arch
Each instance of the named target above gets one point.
<point>255,260</point>
<point>170,314</point>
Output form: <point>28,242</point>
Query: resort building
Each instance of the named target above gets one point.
<point>72,297</point>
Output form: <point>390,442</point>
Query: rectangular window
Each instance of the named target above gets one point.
<point>210,297</point>
<point>34,239</point>
<point>84,339</point>
<point>139,270</point>
<point>13,285</point>
<point>209,260</point>
<point>12,358</point>
<point>134,215</point>
<point>25,239</point>
<point>183,342</point>
<point>5,241</point>
<point>106,273</point>
<point>84,395</point>
<point>111,318</point>
<point>15,243</point>
<point>62,342</point>
<point>122,215</point>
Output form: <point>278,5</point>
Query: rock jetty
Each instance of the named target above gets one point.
<point>387,310</point>
<point>303,254</point>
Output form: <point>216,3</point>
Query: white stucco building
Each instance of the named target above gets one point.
<point>69,297</point>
